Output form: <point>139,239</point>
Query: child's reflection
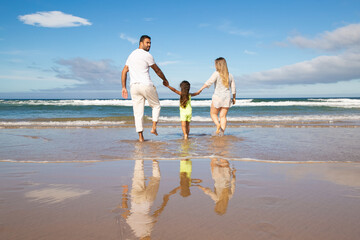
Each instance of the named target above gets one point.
<point>224,184</point>
<point>185,179</point>
<point>142,198</point>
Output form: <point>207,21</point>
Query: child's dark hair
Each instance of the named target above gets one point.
<point>184,97</point>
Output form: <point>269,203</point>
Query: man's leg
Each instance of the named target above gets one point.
<point>153,100</point>
<point>138,109</point>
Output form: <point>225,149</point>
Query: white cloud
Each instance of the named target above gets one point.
<point>127,38</point>
<point>167,63</point>
<point>148,19</point>
<point>323,69</point>
<point>341,38</point>
<point>53,19</point>
<point>99,75</point>
<point>249,52</point>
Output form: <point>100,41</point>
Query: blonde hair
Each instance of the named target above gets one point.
<point>222,204</point>
<point>221,67</point>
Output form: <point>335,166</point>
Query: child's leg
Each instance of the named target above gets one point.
<point>187,127</point>
<point>184,129</point>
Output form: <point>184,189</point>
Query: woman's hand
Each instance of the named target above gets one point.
<point>233,101</point>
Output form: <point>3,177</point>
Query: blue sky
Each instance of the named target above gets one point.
<point>77,49</point>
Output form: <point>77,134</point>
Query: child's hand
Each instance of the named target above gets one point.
<point>166,83</point>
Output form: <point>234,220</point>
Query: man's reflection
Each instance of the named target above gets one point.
<point>142,198</point>
<point>224,184</point>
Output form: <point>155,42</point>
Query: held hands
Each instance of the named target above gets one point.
<point>166,83</point>
<point>198,92</point>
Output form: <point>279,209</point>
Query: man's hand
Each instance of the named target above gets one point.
<point>124,93</point>
<point>166,83</point>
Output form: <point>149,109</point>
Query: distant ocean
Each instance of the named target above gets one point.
<point>269,112</point>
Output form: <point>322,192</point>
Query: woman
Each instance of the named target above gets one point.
<point>221,99</point>
<point>224,184</point>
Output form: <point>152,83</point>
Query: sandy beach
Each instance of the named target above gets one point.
<point>252,183</point>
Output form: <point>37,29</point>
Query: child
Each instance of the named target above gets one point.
<point>185,106</point>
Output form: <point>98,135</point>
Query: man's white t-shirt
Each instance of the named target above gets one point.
<point>139,62</point>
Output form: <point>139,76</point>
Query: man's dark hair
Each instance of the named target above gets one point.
<point>143,37</point>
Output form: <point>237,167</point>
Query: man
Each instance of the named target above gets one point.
<point>141,86</point>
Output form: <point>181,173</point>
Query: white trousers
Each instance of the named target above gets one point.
<point>140,92</point>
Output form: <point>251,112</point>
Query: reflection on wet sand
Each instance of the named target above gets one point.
<point>185,179</point>
<point>56,193</point>
<point>224,184</point>
<point>341,174</point>
<point>223,146</point>
<point>142,196</point>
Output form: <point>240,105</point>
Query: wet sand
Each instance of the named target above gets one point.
<point>264,183</point>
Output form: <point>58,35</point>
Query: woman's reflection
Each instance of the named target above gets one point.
<point>224,184</point>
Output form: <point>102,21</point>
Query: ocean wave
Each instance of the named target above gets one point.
<point>165,119</point>
<point>59,123</point>
<point>312,102</point>
<point>288,118</point>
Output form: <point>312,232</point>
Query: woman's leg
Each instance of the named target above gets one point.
<point>184,129</point>
<point>214,116</point>
<point>223,120</point>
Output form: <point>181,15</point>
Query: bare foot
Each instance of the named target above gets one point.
<point>153,131</point>
<point>141,137</point>
<point>221,132</point>
<point>218,127</point>
<point>186,137</point>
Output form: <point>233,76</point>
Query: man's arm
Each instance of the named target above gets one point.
<point>160,74</point>
<point>124,72</point>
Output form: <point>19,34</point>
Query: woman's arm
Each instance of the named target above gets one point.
<point>207,84</point>
<point>174,90</point>
<point>233,89</point>
<point>195,94</point>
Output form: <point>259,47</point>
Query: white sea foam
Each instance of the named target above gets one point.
<point>334,102</point>
<point>288,118</point>
<point>60,123</point>
<point>268,119</point>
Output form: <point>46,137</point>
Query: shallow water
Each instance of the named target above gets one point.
<point>241,144</point>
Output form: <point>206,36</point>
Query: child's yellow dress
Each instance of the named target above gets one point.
<point>186,113</point>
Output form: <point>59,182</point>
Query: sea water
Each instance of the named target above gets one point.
<point>117,113</point>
